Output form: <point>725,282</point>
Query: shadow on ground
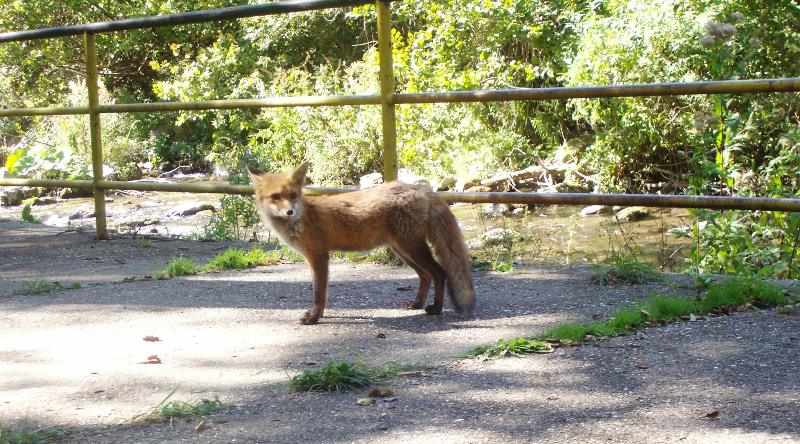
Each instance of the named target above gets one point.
<point>75,358</point>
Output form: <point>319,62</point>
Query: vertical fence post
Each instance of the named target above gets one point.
<point>387,91</point>
<point>94,132</point>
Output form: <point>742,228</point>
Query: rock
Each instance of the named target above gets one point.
<point>12,196</point>
<point>446,184</point>
<point>595,209</point>
<point>56,221</point>
<point>632,214</point>
<point>82,214</point>
<point>495,236</point>
<point>45,200</point>
<point>528,177</point>
<point>190,209</point>
<point>497,209</point>
<point>72,193</point>
<point>478,189</point>
<point>370,180</point>
<point>407,176</point>
<point>565,187</point>
<point>462,184</point>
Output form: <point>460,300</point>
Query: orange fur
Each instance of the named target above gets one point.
<point>403,216</point>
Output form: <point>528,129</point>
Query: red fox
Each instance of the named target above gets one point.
<point>396,214</point>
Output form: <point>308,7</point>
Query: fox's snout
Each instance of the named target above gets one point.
<point>285,209</point>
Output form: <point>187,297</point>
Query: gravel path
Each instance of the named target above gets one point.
<point>73,358</point>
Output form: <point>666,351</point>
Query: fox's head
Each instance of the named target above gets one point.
<point>279,195</point>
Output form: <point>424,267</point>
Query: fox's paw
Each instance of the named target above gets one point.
<point>307,319</point>
<point>433,309</point>
<point>414,305</point>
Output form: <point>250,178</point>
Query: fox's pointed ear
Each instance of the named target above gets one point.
<point>254,173</point>
<point>299,173</point>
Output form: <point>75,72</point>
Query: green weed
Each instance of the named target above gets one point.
<point>334,376</point>
<point>622,268</point>
<point>239,259</point>
<point>28,217</point>
<point>40,286</point>
<point>24,435</point>
<point>515,347</point>
<point>169,410</point>
<point>178,267</point>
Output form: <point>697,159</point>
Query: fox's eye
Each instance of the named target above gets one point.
<point>292,195</point>
<point>275,196</point>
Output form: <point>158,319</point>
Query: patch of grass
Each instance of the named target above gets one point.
<point>40,286</point>
<point>25,435</point>
<point>239,259</point>
<point>178,267</point>
<point>622,268</point>
<point>720,298</point>
<point>666,309</point>
<point>28,217</point>
<point>143,243</point>
<point>515,347</point>
<point>499,265</point>
<point>167,411</point>
<point>333,376</point>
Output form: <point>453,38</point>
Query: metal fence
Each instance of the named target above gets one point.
<point>387,98</point>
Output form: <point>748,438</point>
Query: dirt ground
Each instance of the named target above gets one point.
<point>73,358</point>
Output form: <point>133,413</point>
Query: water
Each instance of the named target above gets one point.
<point>549,234</point>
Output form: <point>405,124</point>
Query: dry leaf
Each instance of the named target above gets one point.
<point>365,401</point>
<point>713,416</point>
<point>151,339</point>
<point>200,426</point>
<point>152,359</point>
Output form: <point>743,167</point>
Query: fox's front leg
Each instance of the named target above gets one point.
<point>319,274</point>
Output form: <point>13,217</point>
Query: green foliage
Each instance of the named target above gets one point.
<point>178,267</point>
<point>26,435</point>
<point>624,268</point>
<point>40,286</point>
<point>515,347</point>
<point>334,376</point>
<point>239,259</point>
<point>237,219</point>
<point>199,411</point>
<point>28,217</point>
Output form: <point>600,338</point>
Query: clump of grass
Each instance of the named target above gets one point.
<point>24,435</point>
<point>333,376</point>
<point>167,411</point>
<point>515,347</point>
<point>178,267</point>
<point>239,259</point>
<point>623,268</point>
<point>28,217</point>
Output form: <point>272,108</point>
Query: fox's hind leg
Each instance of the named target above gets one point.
<point>417,255</point>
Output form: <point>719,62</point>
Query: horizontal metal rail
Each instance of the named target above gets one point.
<point>593,92</point>
<point>184,18</point>
<point>584,92</point>
<point>645,200</point>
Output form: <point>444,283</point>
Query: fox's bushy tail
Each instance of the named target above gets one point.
<point>448,245</point>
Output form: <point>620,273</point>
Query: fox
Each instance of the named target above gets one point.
<point>402,216</point>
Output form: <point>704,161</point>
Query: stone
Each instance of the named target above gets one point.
<point>370,180</point>
<point>190,209</point>
<point>633,214</point>
<point>12,196</point>
<point>595,209</point>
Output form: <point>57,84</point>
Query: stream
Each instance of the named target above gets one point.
<point>554,234</point>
